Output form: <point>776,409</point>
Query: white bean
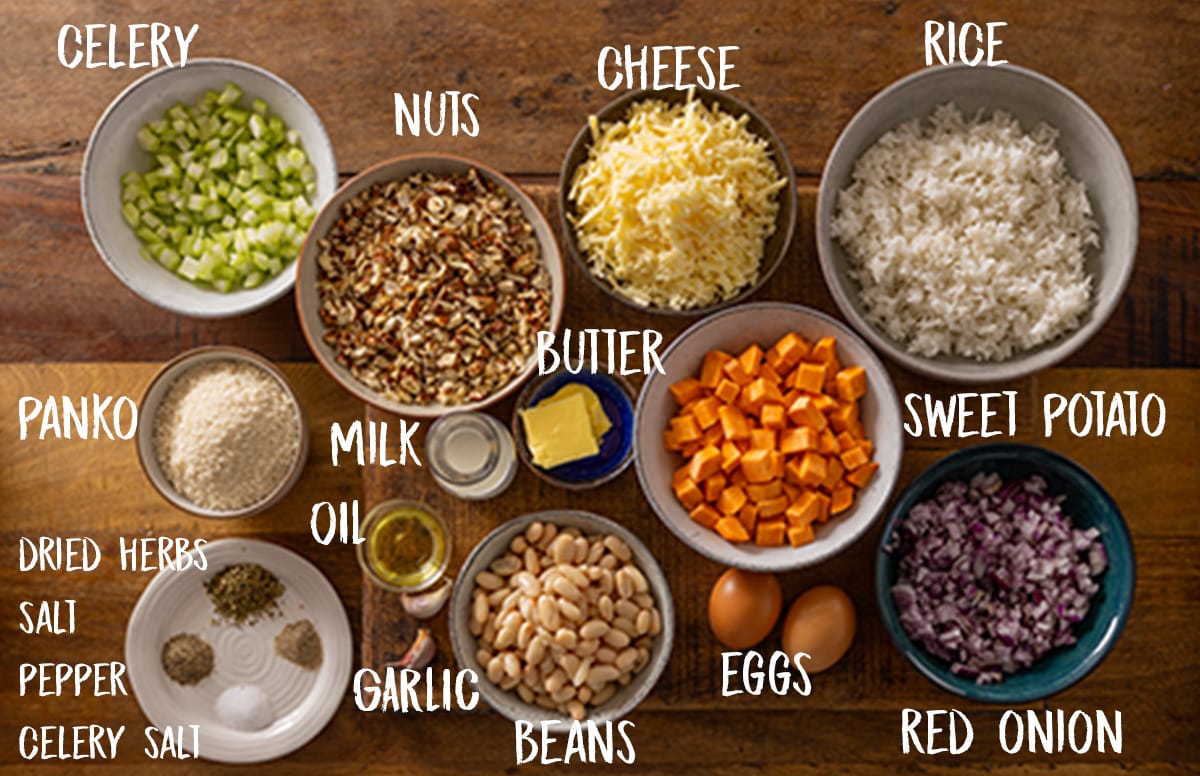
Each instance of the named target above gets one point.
<point>488,581</point>
<point>593,629</point>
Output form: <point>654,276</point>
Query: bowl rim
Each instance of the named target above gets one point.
<point>778,149</point>
<point>891,400</point>
<point>551,255</point>
<point>255,301</point>
<point>175,368</point>
<point>660,656</point>
<point>1026,362</point>
<point>916,655</point>
<point>518,431</point>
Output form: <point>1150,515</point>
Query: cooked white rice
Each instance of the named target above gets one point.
<point>967,236</point>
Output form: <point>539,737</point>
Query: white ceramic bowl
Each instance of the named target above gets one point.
<point>1092,155</point>
<point>496,544</point>
<point>308,298</point>
<point>113,150</point>
<point>157,390</point>
<point>733,330</point>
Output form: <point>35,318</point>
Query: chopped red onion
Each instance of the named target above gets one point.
<point>993,575</point>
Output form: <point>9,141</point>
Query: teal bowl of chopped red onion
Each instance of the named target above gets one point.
<point>1005,573</point>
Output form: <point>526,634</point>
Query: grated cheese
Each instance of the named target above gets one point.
<point>675,203</point>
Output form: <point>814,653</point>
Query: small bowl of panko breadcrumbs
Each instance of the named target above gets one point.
<point>221,432</point>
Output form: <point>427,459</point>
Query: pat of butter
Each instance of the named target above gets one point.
<point>560,431</point>
<point>600,422</point>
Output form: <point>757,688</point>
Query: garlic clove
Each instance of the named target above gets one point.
<point>420,653</point>
<point>425,605</point>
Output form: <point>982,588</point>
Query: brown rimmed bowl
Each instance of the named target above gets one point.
<point>152,399</point>
<point>308,298</point>
<point>776,246</point>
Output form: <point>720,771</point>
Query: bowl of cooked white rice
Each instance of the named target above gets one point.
<point>977,224</point>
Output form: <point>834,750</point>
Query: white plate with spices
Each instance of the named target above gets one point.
<point>301,701</point>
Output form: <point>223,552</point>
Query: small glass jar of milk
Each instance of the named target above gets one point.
<point>470,455</point>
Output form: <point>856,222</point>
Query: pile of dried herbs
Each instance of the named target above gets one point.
<point>244,592</point>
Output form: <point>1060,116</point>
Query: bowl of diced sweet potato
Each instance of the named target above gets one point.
<point>772,440</point>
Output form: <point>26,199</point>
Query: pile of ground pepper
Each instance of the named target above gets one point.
<point>299,643</point>
<point>187,659</point>
<point>244,592</point>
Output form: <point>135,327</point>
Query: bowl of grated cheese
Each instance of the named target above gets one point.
<point>222,433</point>
<point>678,202</point>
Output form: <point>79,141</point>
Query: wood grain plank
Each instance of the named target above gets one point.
<point>807,66</point>
<point>59,302</point>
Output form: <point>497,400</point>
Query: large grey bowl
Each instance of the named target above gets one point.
<point>1092,155</point>
<point>496,544</point>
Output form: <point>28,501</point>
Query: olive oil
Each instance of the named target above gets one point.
<point>405,547</point>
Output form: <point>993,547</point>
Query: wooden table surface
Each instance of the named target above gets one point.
<point>67,326</point>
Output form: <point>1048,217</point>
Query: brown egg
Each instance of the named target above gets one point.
<point>743,607</point>
<point>820,623</point>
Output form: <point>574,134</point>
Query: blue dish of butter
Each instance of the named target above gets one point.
<point>616,446</point>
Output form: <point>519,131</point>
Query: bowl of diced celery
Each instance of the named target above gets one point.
<point>199,185</point>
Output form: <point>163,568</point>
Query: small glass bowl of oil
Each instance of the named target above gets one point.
<point>406,546</point>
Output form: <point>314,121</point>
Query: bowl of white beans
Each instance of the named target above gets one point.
<point>564,615</point>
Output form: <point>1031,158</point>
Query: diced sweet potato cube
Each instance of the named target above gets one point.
<point>713,436</point>
<point>764,491</point>
<point>686,390</point>
<point>856,429</point>
<point>691,448</point>
<point>842,499</point>
<point>772,507</point>
<point>733,370</point>
<point>824,351</point>
<point>791,471</point>
<point>705,463</point>
<point>798,536</point>
<point>767,372</point>
<point>685,429</point>
<point>705,515</point>
<point>681,474</point>
<point>804,413</point>
<point>823,503</point>
<point>710,370</point>
<point>769,533</point>
<point>812,469</point>
<point>688,493</point>
<point>733,423</point>
<point>851,383</point>
<point>792,492</point>
<point>803,510</point>
<point>732,529</point>
<point>862,475</point>
<point>833,473</point>
<point>737,477</point>
<point>853,458</point>
<point>827,443</point>
<point>867,446</point>
<point>843,417</point>
<point>748,515</point>
<point>762,439</point>
<point>777,460</point>
<point>826,404</point>
<point>787,351</point>
<point>713,486</point>
<point>760,392</point>
<point>730,456</point>
<point>731,500</point>
<point>669,440</point>
<point>773,416</point>
<point>797,440</point>
<point>845,441</point>
<point>705,411</point>
<point>758,466</point>
<point>727,390</point>
<point>750,359</point>
<point>809,377</point>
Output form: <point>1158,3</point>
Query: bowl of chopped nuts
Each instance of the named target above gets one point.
<point>423,283</point>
